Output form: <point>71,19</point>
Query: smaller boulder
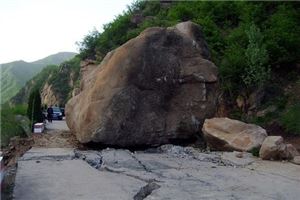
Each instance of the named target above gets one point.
<point>273,148</point>
<point>225,134</point>
<point>296,160</point>
<point>289,152</point>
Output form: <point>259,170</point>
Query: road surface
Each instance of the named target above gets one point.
<point>57,125</point>
<point>168,172</point>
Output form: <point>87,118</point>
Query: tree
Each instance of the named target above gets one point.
<point>34,110</point>
<point>257,72</point>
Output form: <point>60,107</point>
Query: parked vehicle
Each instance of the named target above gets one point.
<point>62,111</point>
<point>57,114</point>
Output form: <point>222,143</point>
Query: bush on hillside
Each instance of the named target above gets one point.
<point>291,119</point>
<point>257,71</point>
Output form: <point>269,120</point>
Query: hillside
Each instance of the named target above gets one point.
<point>55,82</point>
<point>255,45</point>
<point>14,75</point>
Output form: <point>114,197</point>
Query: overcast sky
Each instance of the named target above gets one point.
<point>33,29</point>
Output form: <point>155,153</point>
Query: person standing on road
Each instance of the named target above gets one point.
<point>50,113</point>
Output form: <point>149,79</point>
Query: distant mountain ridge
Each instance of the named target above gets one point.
<point>14,75</point>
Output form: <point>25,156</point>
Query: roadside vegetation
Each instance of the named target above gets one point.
<point>10,125</point>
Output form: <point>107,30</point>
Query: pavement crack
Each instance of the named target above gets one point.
<point>129,175</point>
<point>146,191</point>
<point>93,159</point>
<point>140,163</point>
<point>146,168</point>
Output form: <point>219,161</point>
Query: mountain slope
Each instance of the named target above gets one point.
<point>14,75</point>
<point>55,83</point>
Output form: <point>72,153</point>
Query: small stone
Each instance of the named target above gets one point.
<point>239,155</point>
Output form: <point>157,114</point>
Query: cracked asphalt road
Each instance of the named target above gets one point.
<point>55,169</point>
<point>168,172</point>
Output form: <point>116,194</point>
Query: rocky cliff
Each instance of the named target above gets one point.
<point>157,88</point>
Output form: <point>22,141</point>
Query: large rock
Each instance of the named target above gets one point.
<point>273,148</point>
<point>157,88</point>
<point>227,135</point>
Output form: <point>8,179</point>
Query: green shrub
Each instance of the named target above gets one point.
<point>9,126</point>
<point>255,152</point>
<point>291,119</point>
<point>282,34</point>
<point>19,109</point>
<point>257,71</point>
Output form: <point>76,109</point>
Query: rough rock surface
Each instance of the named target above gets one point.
<point>168,172</point>
<point>227,135</point>
<point>157,88</point>
<point>48,96</point>
<point>273,148</point>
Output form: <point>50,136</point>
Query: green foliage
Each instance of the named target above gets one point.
<point>282,34</point>
<point>87,47</point>
<point>257,72</point>
<point>34,110</point>
<point>291,119</point>
<point>20,109</point>
<point>9,126</point>
<point>231,68</point>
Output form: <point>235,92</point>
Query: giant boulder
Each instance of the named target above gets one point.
<point>157,88</point>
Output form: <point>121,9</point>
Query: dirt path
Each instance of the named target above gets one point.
<point>57,135</point>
